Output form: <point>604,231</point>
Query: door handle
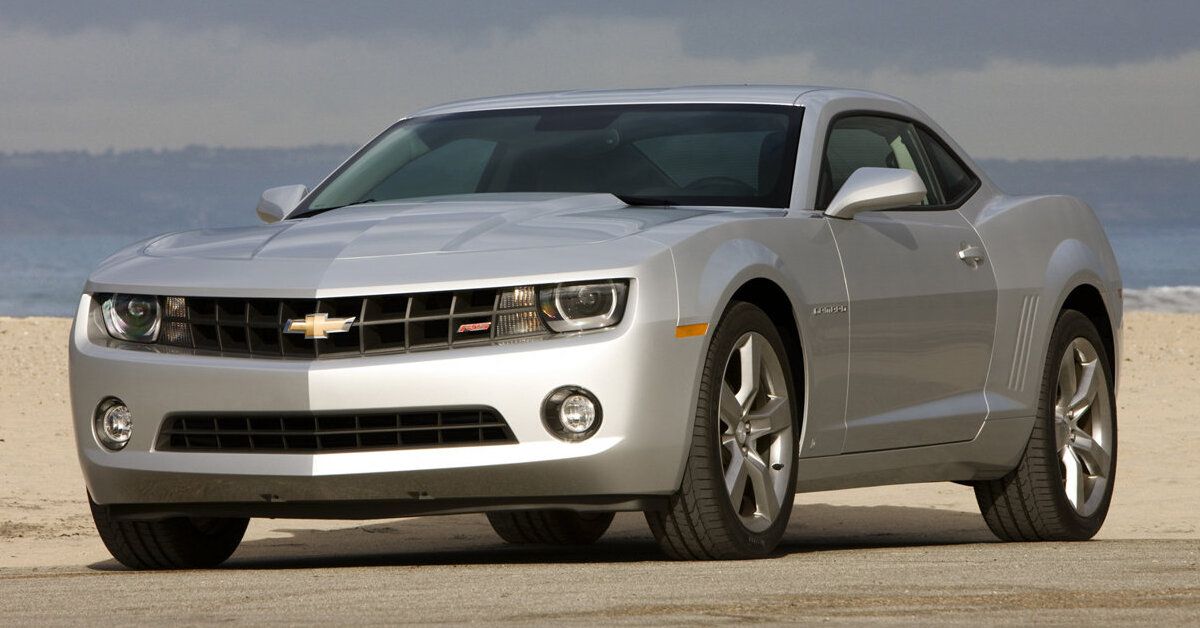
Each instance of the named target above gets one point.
<point>970,255</point>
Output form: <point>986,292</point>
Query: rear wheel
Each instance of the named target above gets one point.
<point>176,543</point>
<point>550,527</point>
<point>740,477</point>
<point>1062,488</point>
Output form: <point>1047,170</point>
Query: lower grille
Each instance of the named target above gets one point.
<point>319,432</point>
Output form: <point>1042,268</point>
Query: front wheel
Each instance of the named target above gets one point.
<point>1063,485</point>
<point>176,543</point>
<point>740,477</point>
<point>550,527</point>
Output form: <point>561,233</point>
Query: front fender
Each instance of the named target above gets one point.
<point>798,255</point>
<point>730,266</point>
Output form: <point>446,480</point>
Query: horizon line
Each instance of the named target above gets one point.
<point>350,147</point>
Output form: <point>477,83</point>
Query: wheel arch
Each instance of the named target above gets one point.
<point>786,266</point>
<point>1080,276</point>
<point>1087,299</point>
<point>771,298</point>
<point>749,271</point>
<point>1047,253</point>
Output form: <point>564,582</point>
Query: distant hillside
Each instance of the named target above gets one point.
<point>141,193</point>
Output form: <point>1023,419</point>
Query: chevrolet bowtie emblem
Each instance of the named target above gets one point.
<point>317,326</point>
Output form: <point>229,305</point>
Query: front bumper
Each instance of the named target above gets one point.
<point>643,376</point>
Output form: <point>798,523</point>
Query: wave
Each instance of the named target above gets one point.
<point>1164,299</point>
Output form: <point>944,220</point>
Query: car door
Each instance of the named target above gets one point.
<point>922,298</point>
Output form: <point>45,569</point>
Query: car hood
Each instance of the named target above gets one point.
<point>441,225</point>
<point>447,243</point>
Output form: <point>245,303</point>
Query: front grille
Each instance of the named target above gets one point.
<point>317,432</point>
<point>382,324</point>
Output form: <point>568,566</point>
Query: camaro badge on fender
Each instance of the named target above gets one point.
<point>832,308</point>
<point>318,326</point>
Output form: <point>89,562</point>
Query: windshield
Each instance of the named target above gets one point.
<point>669,154</point>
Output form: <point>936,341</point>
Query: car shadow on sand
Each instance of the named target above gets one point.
<point>469,540</point>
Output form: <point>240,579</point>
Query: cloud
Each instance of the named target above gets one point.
<point>863,34</point>
<point>934,35</point>
<point>155,84</point>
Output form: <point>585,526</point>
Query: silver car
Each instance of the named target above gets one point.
<point>691,302</point>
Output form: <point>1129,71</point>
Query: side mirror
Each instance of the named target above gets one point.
<point>873,189</point>
<point>276,203</point>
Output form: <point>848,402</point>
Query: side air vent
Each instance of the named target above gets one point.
<point>1020,364</point>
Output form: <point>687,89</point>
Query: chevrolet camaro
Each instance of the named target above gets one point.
<point>690,302</point>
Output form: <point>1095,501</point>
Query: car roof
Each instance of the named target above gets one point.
<point>730,94</point>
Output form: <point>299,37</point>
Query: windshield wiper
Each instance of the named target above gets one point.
<point>322,210</point>
<point>643,201</point>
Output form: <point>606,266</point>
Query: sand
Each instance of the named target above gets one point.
<point>44,520</point>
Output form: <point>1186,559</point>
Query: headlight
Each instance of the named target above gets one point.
<point>132,317</point>
<point>584,305</point>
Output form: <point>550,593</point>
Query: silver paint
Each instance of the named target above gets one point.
<point>873,189</point>
<point>277,203</point>
<point>920,367</point>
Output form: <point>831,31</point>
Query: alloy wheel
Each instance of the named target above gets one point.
<point>1083,427</point>
<point>755,431</point>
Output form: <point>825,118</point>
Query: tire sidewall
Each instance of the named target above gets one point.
<point>739,319</point>
<point>1071,325</point>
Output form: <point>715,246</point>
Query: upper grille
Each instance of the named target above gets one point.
<point>382,324</point>
<point>315,432</point>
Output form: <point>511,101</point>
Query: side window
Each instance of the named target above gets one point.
<point>872,142</point>
<point>955,179</point>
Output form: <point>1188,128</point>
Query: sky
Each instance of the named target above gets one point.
<point>1011,79</point>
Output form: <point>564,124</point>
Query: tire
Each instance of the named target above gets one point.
<point>1062,488</point>
<point>550,527</point>
<point>701,521</point>
<point>176,543</point>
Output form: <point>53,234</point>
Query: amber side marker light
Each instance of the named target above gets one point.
<point>687,331</point>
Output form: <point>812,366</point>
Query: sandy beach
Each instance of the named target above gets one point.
<point>44,520</point>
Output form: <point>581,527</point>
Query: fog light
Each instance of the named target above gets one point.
<point>113,424</point>
<point>577,414</point>
<point>571,413</point>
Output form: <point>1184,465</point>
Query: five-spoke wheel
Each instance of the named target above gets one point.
<point>1082,428</point>
<point>1063,485</point>
<point>740,476</point>
<point>756,436</point>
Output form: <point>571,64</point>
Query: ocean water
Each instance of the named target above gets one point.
<point>43,275</point>
<point>1157,255</point>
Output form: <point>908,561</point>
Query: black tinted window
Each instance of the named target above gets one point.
<point>683,154</point>
<point>955,180</point>
<point>455,167</point>
<point>871,142</point>
<point>690,159</point>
